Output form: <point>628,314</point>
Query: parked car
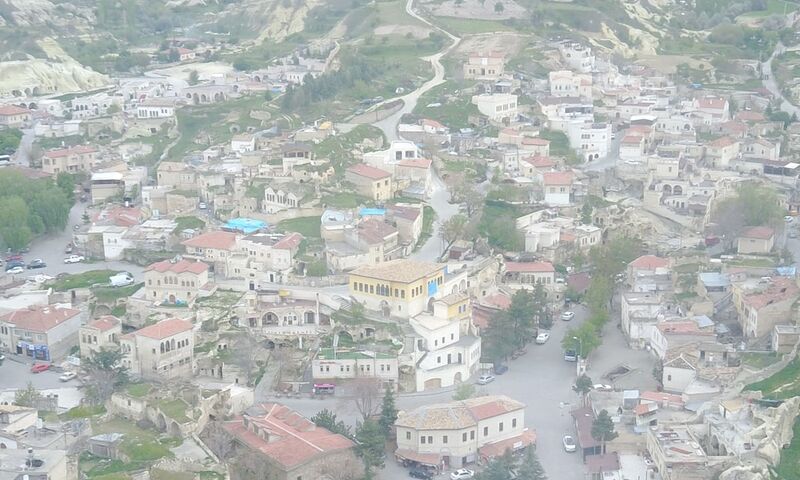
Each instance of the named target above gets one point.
<point>68,250</point>
<point>420,473</point>
<point>602,387</point>
<point>788,218</point>
<point>67,376</point>
<point>40,367</point>
<point>567,316</point>
<point>122,279</point>
<point>461,474</point>
<point>542,338</point>
<point>14,263</point>
<point>569,444</point>
<point>485,379</point>
<point>571,356</point>
<point>13,257</point>
<point>38,263</point>
<point>14,270</point>
<point>74,259</point>
<point>202,206</point>
<point>500,369</point>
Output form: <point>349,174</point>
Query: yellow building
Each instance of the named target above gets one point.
<point>398,287</point>
<point>370,181</point>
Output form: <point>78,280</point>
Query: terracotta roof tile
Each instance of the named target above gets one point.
<point>164,329</point>
<point>8,110</point>
<point>367,171</point>
<point>218,240</point>
<point>650,262</point>
<point>39,319</point>
<point>104,323</point>
<point>289,242</point>
<point>66,152</point>
<point>762,233</point>
<point>557,178</point>
<point>178,267</point>
<point>293,440</point>
<point>529,267</point>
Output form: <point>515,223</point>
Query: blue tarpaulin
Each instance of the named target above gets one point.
<point>244,225</point>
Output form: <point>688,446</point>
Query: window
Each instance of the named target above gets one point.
<point>464,437</point>
<point>408,435</point>
<point>669,378</point>
<point>444,439</point>
<point>472,435</point>
<point>513,423</point>
<point>422,439</point>
<point>430,439</point>
<point>500,428</point>
<point>485,431</point>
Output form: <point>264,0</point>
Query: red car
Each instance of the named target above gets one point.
<point>40,367</point>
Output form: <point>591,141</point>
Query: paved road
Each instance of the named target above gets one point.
<point>15,375</point>
<point>431,250</point>
<point>23,154</point>
<point>389,124</point>
<point>50,248</point>
<point>770,84</point>
<point>541,379</point>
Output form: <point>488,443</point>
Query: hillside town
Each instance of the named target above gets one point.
<point>580,269</point>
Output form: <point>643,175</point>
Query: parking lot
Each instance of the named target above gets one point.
<point>15,373</point>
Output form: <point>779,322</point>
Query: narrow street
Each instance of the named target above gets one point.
<point>770,84</point>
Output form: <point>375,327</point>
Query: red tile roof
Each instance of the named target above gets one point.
<point>750,116</point>
<point>762,233</point>
<point>178,267</point>
<point>289,242</point>
<point>497,300</point>
<point>217,240</point>
<point>164,329</point>
<point>632,139</point>
<point>662,398</point>
<point>722,142</point>
<point>539,161</point>
<point>649,262</point>
<point>293,440</point>
<point>66,152</point>
<point>8,110</point>
<point>557,178</point>
<point>780,289</point>
<point>367,171</point>
<point>529,267</point>
<point>492,409</point>
<point>715,103</point>
<point>39,319</point>
<point>104,323</point>
<point>539,142</point>
<point>584,417</point>
<point>498,449</point>
<point>415,163</point>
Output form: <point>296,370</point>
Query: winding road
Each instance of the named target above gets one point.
<point>440,197</point>
<point>770,84</point>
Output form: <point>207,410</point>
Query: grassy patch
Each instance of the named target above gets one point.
<point>138,390</point>
<point>472,26</point>
<point>559,145</point>
<point>188,222</point>
<point>428,216</point>
<point>784,384</point>
<point>110,294</point>
<point>452,110</point>
<point>789,468</point>
<point>344,200</point>
<point>760,360</point>
<point>175,409</point>
<point>305,226</point>
<point>341,149</point>
<point>141,446</point>
<point>753,262</point>
<point>158,474</point>
<point>83,412</point>
<point>83,280</point>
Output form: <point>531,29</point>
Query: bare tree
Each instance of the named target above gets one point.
<point>366,392</point>
<point>453,230</point>
<point>218,440</point>
<point>348,468</point>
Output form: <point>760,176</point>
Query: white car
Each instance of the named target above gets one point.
<point>567,316</point>
<point>542,338</point>
<point>788,218</point>
<point>461,474</point>
<point>569,444</point>
<point>67,376</point>
<point>602,387</point>
<point>485,378</point>
<point>15,270</point>
<point>74,259</point>
<point>202,206</point>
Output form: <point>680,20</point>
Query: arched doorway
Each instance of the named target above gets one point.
<point>386,309</point>
<point>457,378</point>
<point>677,190</point>
<point>161,422</point>
<point>667,189</point>
<point>175,429</point>
<point>269,319</point>
<point>172,299</point>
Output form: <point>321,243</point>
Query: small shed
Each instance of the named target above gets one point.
<point>105,445</point>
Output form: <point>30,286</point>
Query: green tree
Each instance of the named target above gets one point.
<point>194,77</point>
<point>66,183</point>
<point>613,257</point>
<point>500,468</point>
<point>522,313</point>
<point>464,391</point>
<point>586,214</point>
<point>498,7</point>
<point>582,340</point>
<point>541,314</point>
<point>10,140</point>
<point>371,445</point>
<point>531,468</point>
<point>14,230</point>
<point>583,385</point>
<point>28,396</point>
<point>388,411</point>
<point>453,230</point>
<point>603,429</point>
<point>327,419</point>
